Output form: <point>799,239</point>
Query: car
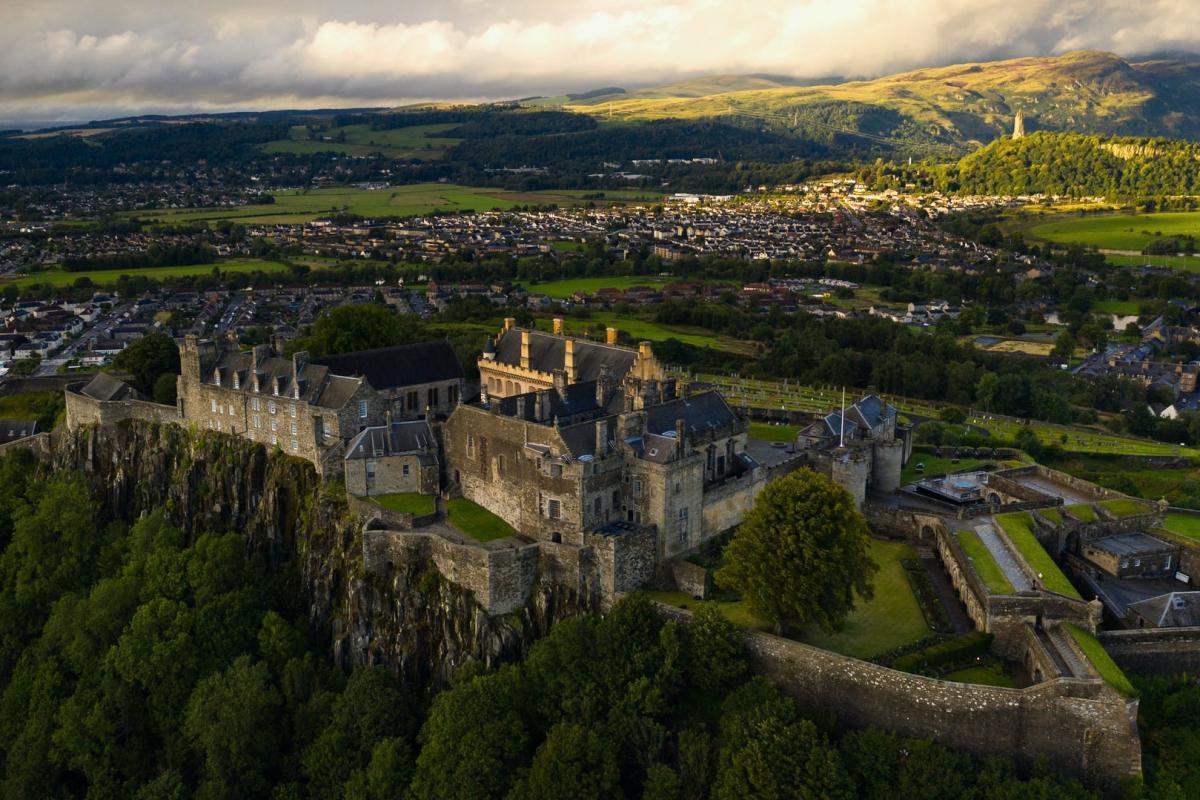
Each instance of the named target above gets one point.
<point>920,467</point>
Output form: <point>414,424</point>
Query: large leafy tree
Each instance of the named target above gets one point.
<point>801,555</point>
<point>365,326</point>
<point>147,360</point>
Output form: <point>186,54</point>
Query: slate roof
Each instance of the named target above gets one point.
<point>547,353</point>
<point>13,429</point>
<point>704,411</point>
<point>397,367</point>
<point>317,386</point>
<point>1130,544</point>
<point>1172,610</point>
<point>105,387</point>
<point>403,437</point>
<point>576,399</point>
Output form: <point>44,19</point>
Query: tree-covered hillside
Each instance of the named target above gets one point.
<point>1079,165</point>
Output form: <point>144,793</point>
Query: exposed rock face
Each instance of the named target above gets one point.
<point>410,619</point>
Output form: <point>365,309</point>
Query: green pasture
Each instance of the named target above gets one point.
<point>108,277</point>
<point>415,142</point>
<point>1181,263</point>
<point>304,205</point>
<point>1117,231</point>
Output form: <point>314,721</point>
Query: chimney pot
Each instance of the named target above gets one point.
<point>558,326</point>
<point>610,335</point>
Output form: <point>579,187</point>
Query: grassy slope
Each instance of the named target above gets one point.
<point>1184,525</point>
<point>984,563</point>
<point>1101,660</point>
<point>966,102</point>
<point>1119,231</point>
<point>1018,526</point>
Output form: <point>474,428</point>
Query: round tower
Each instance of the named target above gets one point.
<point>887,460</point>
<point>850,469</point>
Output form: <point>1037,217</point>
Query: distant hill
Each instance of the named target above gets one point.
<point>945,110</point>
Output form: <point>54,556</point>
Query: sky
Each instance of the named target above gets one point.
<point>87,59</point>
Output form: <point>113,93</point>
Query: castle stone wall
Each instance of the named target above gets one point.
<point>1082,727</point>
<point>1154,651</point>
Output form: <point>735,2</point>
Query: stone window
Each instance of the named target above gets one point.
<point>362,409</point>
<point>432,396</point>
<point>556,470</point>
<point>274,440</point>
<point>554,509</point>
<point>274,426</point>
<point>682,523</point>
<point>257,421</point>
<point>678,488</point>
<point>295,445</point>
<point>598,506</point>
<point>637,487</point>
<point>293,430</point>
<point>404,470</point>
<point>500,464</point>
<point>292,410</point>
<point>452,394</point>
<point>412,401</point>
<point>214,405</point>
<point>271,406</point>
<point>470,446</point>
<point>616,498</point>
<point>256,404</point>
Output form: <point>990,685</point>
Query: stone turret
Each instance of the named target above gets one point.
<point>1019,125</point>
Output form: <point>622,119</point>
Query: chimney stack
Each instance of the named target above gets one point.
<point>525,341</point>
<point>601,438</point>
<point>679,430</point>
<point>543,405</point>
<point>569,360</point>
<point>644,350</point>
<point>610,336</point>
<point>510,323</point>
<point>558,326</point>
<point>520,407</point>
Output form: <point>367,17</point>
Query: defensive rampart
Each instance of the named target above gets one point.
<point>83,410</point>
<point>1154,651</point>
<point>1082,727</point>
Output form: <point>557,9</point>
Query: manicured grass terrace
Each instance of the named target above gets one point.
<point>1019,527</point>
<point>990,675</point>
<point>984,563</point>
<point>476,521</point>
<point>1184,524</point>
<point>1081,511</point>
<point>406,503</point>
<point>774,433</point>
<point>892,618</point>
<point>1124,506</point>
<point>1101,660</point>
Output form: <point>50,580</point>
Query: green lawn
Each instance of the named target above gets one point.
<point>1118,231</point>
<point>891,619</point>
<point>108,277</point>
<point>1122,308</point>
<point>1184,524</point>
<point>1101,660</point>
<point>1081,511</point>
<point>406,503</point>
<point>1019,527</point>
<point>639,328</point>
<point>984,563</point>
<point>476,521</point>
<point>304,205</point>
<point>774,433</point>
<point>45,407</point>
<point>1125,507</point>
<point>990,675</point>
<point>565,288</point>
<point>1051,514</point>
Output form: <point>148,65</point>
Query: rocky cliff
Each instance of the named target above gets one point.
<point>410,619</point>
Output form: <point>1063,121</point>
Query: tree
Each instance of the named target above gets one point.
<point>801,555</point>
<point>718,658</point>
<point>150,357</point>
<point>364,326</point>
<point>164,388</point>
<point>573,762</point>
<point>232,719</point>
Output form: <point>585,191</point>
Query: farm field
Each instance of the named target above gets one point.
<point>304,205</point>
<point>560,290</point>
<point>414,142</point>
<point>1118,231</point>
<point>1181,263</point>
<point>108,277</point>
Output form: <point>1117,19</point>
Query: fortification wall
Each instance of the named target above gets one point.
<point>887,462</point>
<point>500,579</point>
<point>1154,651</point>
<point>1014,492</point>
<point>1070,481</point>
<point>725,506</point>
<point>691,579</point>
<point>1082,727</point>
<point>626,562</point>
<point>41,444</point>
<point>83,410</point>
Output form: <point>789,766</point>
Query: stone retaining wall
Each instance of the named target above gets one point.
<point>1154,651</point>
<point>1082,727</point>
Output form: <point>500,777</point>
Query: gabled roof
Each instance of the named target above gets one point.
<point>317,386</point>
<point>13,429</point>
<point>547,353</point>
<point>699,412</point>
<point>1172,610</point>
<point>397,367</point>
<point>576,399</point>
<point>402,438</point>
<point>105,387</point>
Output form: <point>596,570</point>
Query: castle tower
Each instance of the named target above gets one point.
<point>850,469</point>
<point>1019,125</point>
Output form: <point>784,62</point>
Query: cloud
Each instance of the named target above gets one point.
<point>64,56</point>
